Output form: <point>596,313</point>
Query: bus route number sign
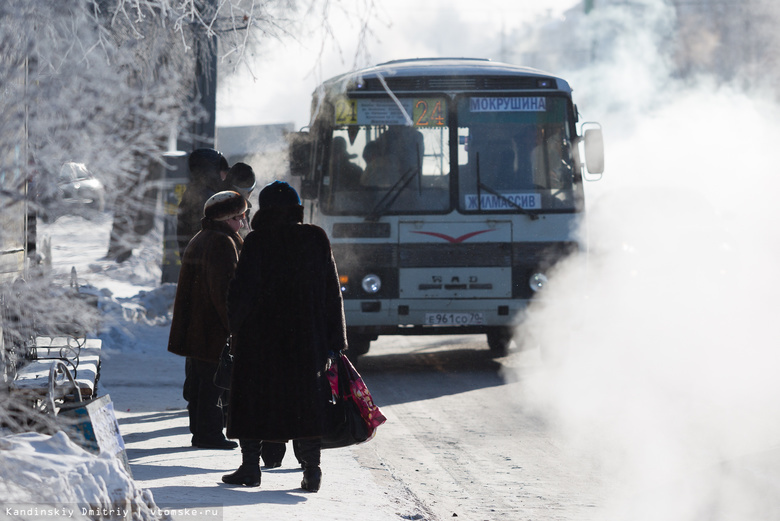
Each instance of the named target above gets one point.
<point>430,112</point>
<point>346,111</point>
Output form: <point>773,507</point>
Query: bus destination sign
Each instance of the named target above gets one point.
<point>420,112</point>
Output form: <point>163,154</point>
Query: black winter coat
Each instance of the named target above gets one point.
<point>286,316</point>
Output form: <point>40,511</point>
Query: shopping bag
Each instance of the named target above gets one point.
<point>351,417</point>
<point>344,426</point>
<point>362,397</point>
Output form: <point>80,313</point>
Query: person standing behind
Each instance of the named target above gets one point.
<point>208,170</point>
<point>200,327</point>
<point>287,317</point>
<point>241,178</point>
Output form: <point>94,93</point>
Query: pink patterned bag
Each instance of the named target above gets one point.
<point>359,393</point>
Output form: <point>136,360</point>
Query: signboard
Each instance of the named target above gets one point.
<point>95,428</point>
<point>487,201</point>
<point>520,104</point>
<point>421,112</point>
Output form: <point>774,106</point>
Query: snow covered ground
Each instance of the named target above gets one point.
<point>169,479</point>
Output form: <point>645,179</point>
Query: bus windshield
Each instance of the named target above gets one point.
<point>514,154</point>
<point>392,156</point>
<point>388,157</point>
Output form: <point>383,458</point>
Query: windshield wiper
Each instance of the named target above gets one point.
<point>482,186</point>
<point>391,195</point>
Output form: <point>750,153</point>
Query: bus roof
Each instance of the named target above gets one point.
<point>447,69</point>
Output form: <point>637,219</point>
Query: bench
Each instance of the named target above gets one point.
<point>82,358</point>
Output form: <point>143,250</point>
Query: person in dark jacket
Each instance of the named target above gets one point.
<point>287,318</point>
<point>208,170</point>
<point>241,178</point>
<point>200,327</point>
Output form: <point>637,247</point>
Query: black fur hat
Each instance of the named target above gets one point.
<point>224,205</point>
<point>206,162</point>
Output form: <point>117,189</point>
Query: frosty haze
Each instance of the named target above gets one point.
<point>661,370</point>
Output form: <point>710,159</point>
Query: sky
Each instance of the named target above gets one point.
<point>286,73</point>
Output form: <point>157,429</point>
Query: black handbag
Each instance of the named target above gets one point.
<point>224,368</point>
<point>344,425</point>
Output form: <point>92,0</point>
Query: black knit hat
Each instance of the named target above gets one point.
<point>278,195</point>
<point>224,205</point>
<point>207,161</point>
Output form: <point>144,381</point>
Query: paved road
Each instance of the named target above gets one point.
<point>461,439</point>
<point>459,443</point>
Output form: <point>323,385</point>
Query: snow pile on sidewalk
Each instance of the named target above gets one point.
<point>50,477</point>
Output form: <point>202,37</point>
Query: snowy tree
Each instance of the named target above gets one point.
<point>111,84</point>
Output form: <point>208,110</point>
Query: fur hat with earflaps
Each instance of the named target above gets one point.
<point>224,205</point>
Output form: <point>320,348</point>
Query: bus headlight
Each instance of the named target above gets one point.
<point>537,281</point>
<point>371,283</point>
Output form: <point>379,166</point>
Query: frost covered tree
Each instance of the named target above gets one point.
<point>110,83</point>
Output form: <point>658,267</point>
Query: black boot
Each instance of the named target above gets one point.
<point>309,453</point>
<point>311,479</point>
<point>272,454</point>
<point>248,474</point>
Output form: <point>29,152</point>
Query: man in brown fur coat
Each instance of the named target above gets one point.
<point>200,328</point>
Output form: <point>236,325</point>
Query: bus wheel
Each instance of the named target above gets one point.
<point>358,344</point>
<point>498,339</point>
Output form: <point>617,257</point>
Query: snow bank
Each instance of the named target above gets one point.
<point>50,477</point>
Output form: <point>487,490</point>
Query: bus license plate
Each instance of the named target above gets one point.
<point>454,319</point>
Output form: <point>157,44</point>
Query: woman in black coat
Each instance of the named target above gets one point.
<point>286,316</point>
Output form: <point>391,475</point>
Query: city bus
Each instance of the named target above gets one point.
<point>449,188</point>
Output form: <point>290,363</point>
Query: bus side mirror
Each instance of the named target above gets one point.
<point>594,151</point>
<point>300,150</point>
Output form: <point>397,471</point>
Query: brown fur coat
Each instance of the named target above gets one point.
<point>199,327</point>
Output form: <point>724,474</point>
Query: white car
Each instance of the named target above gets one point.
<point>73,191</point>
<point>77,186</point>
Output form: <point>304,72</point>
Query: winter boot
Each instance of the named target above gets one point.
<point>272,454</point>
<point>311,479</point>
<point>248,474</point>
<point>309,453</point>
